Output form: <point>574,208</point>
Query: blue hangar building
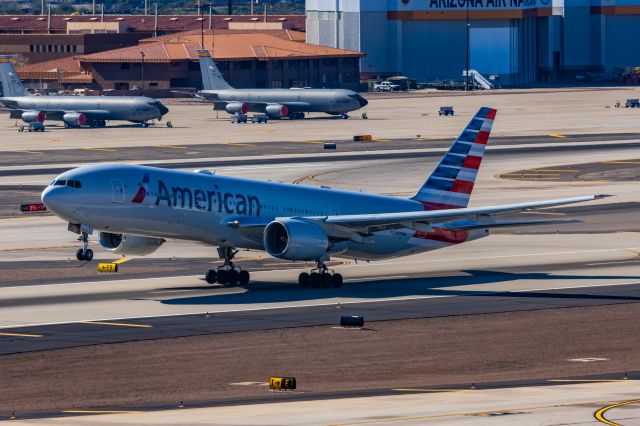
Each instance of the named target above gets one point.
<point>521,41</point>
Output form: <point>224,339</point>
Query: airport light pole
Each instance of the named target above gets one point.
<point>466,78</point>
<point>142,72</point>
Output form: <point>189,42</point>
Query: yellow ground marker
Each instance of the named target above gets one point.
<point>239,144</point>
<point>124,259</point>
<point>382,140</point>
<point>599,415</point>
<point>20,335</point>
<point>99,149</point>
<point>557,135</point>
<point>621,162</point>
<point>531,174</point>
<point>556,170</point>
<point>101,412</point>
<point>117,324</point>
<point>432,390</point>
<point>590,380</point>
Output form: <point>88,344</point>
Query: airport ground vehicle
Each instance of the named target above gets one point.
<point>276,103</point>
<point>135,208</point>
<point>73,111</point>
<point>386,86</point>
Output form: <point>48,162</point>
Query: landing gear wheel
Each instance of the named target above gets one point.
<point>336,280</point>
<point>232,277</point>
<point>88,255</point>
<point>222,276</point>
<point>325,279</point>
<point>314,279</point>
<point>344,116</point>
<point>244,277</point>
<point>84,254</point>
<point>304,279</point>
<point>211,276</point>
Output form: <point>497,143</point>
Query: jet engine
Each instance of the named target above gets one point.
<point>129,244</point>
<point>277,110</point>
<point>34,116</point>
<point>74,119</point>
<point>294,239</point>
<point>237,107</point>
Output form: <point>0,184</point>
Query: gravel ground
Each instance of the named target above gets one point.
<point>424,352</point>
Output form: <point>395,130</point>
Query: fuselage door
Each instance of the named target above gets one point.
<point>117,190</point>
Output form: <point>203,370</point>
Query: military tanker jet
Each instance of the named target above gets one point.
<point>276,103</point>
<point>73,111</point>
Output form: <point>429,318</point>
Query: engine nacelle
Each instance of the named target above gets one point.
<point>129,244</point>
<point>294,239</point>
<point>34,116</point>
<point>237,108</point>
<point>74,119</point>
<point>277,110</point>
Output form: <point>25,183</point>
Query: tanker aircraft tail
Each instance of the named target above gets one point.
<point>10,82</point>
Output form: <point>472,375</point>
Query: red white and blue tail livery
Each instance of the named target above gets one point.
<point>451,183</point>
<point>292,222</point>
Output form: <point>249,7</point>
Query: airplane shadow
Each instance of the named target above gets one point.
<point>259,292</point>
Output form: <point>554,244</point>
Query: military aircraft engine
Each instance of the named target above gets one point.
<point>294,239</point>
<point>74,119</point>
<point>129,244</point>
<point>277,110</point>
<point>34,116</point>
<point>237,107</point>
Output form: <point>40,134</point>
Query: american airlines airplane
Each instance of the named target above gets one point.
<point>276,103</point>
<point>73,111</point>
<point>135,208</point>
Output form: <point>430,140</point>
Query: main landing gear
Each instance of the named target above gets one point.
<point>320,277</point>
<point>227,274</point>
<point>84,253</point>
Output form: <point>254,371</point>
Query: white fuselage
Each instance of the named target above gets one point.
<point>204,207</point>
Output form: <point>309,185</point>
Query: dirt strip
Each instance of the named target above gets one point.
<point>424,352</point>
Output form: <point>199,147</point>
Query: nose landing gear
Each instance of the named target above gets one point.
<point>84,253</point>
<point>228,274</point>
<point>320,276</point>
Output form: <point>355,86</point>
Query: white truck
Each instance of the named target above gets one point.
<point>386,86</point>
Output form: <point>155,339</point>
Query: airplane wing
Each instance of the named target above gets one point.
<point>454,219</point>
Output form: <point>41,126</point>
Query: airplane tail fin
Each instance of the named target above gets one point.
<point>451,183</point>
<point>10,84</point>
<point>212,79</point>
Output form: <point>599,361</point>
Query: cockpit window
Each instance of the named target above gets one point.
<point>60,182</point>
<point>74,183</point>
<point>53,182</point>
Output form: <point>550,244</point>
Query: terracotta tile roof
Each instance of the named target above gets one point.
<point>284,34</point>
<point>68,70</point>
<point>136,23</point>
<point>227,47</point>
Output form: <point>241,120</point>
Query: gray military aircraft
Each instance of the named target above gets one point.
<point>276,103</point>
<point>74,111</point>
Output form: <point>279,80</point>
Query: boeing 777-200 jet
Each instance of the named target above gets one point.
<point>135,208</point>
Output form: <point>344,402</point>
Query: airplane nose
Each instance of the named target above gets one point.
<point>48,198</point>
<point>363,102</point>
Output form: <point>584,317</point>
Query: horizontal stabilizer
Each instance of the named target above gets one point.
<point>471,225</point>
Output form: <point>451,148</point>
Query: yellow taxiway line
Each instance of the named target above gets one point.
<point>20,335</point>
<point>599,415</point>
<point>116,324</point>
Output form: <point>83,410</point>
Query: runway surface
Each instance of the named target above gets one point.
<point>590,400</point>
<point>550,266</point>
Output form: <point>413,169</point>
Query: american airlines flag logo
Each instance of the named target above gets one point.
<point>142,190</point>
